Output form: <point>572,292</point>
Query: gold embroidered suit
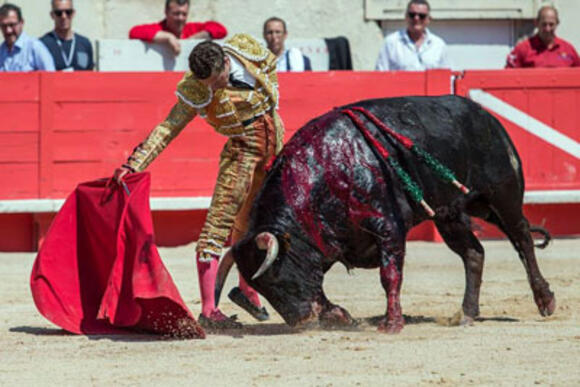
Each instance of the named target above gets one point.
<point>248,117</point>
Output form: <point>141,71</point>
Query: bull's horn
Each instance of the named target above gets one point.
<point>225,265</point>
<point>266,241</point>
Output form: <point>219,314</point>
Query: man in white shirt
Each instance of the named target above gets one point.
<point>292,59</point>
<point>414,48</point>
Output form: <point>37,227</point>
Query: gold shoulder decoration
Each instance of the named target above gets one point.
<point>247,47</point>
<point>192,92</point>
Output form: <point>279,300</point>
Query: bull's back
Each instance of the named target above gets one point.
<point>459,133</point>
<point>329,165</point>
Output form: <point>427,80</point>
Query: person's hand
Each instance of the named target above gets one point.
<point>120,173</point>
<point>174,44</point>
<point>202,35</point>
<point>169,39</point>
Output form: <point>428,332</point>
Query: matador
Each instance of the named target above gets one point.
<point>235,88</point>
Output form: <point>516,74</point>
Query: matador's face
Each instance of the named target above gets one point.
<point>219,80</point>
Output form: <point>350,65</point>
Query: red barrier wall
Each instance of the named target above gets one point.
<point>540,109</point>
<point>59,129</point>
<point>63,128</point>
<point>551,96</point>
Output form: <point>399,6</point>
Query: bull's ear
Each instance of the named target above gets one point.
<point>266,241</point>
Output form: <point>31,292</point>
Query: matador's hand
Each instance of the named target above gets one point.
<point>120,173</point>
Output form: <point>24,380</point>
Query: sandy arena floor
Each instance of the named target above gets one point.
<point>511,345</point>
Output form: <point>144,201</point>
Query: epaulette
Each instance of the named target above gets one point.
<point>192,92</point>
<point>247,47</point>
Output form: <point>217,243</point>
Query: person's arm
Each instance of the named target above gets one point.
<point>179,116</point>
<point>214,29</point>
<point>145,32</point>
<point>513,59</point>
<point>201,35</point>
<point>42,57</point>
<point>383,59</point>
<point>153,33</point>
<point>168,39</point>
<point>576,58</point>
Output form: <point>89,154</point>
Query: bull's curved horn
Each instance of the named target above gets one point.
<point>266,241</point>
<point>224,267</point>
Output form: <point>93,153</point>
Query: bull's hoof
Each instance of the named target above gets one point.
<point>466,321</point>
<point>336,317</point>
<point>391,326</point>
<point>546,305</point>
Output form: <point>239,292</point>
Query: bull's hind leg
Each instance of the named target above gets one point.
<point>517,228</point>
<point>458,236</point>
<point>391,272</point>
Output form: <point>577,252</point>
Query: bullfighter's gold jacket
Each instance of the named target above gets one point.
<point>226,110</point>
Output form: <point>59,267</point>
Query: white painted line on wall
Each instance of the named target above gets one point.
<point>548,197</point>
<point>526,122</point>
<point>25,206</point>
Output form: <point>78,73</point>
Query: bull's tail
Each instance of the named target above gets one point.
<point>545,233</point>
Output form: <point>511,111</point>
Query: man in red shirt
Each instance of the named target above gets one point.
<point>175,27</point>
<point>544,49</point>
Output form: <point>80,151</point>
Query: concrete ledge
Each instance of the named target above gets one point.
<point>23,206</point>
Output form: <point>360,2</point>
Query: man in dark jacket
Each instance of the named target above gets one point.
<point>69,50</point>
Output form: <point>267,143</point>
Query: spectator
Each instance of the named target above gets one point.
<point>544,49</point>
<point>69,50</point>
<point>414,48</point>
<point>275,34</point>
<point>235,88</point>
<point>20,52</point>
<point>175,27</point>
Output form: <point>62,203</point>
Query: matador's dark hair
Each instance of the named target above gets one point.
<point>206,58</point>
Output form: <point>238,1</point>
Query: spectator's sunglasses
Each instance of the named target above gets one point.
<point>412,15</point>
<point>60,12</point>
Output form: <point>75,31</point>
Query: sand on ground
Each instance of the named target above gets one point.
<point>510,345</point>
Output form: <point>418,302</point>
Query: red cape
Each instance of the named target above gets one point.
<point>98,270</point>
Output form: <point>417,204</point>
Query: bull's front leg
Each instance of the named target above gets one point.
<point>334,316</point>
<point>391,272</point>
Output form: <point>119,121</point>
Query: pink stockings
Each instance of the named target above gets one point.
<point>207,272</point>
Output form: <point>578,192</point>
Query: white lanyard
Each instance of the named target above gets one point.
<point>67,61</point>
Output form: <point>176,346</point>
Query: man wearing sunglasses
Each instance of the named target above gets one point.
<point>20,52</point>
<point>69,50</point>
<point>414,48</point>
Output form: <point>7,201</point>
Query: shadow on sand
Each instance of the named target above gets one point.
<point>258,329</point>
<point>130,336</point>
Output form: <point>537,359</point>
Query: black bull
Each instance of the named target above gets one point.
<point>331,197</point>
